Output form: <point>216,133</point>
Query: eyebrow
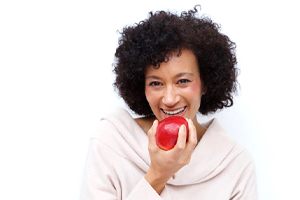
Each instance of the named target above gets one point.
<point>177,75</point>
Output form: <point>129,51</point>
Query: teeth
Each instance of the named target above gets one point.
<point>174,112</point>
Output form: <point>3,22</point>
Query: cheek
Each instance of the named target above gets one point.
<point>147,94</point>
<point>150,96</point>
<point>194,94</point>
<point>195,89</point>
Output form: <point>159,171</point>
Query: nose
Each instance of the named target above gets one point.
<point>170,97</point>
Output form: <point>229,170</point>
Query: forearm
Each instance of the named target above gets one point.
<point>156,180</point>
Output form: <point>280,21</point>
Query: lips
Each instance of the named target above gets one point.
<point>174,111</point>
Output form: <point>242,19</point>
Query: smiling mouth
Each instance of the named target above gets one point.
<point>173,112</point>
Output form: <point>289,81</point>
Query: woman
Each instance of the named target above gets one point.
<point>170,65</point>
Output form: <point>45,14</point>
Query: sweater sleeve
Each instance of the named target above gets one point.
<point>246,188</point>
<point>100,181</point>
<point>143,190</point>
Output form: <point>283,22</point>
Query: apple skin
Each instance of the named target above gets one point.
<point>167,132</point>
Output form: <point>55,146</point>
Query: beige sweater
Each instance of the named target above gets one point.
<point>118,160</point>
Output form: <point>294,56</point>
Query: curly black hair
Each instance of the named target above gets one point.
<point>151,41</point>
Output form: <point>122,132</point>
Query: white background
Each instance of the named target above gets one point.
<point>56,81</point>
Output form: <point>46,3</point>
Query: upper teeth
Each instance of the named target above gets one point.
<point>174,112</point>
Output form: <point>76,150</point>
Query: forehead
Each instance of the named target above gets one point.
<point>177,63</point>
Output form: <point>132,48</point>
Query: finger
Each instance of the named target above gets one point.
<point>181,140</point>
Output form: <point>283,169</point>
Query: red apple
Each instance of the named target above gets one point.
<point>167,131</point>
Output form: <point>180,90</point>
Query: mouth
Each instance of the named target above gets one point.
<point>174,112</point>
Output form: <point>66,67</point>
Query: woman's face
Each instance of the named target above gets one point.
<point>175,87</point>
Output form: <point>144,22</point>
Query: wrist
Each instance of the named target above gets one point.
<point>156,180</point>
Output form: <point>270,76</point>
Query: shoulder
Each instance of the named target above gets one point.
<point>111,122</point>
<point>233,151</point>
<point>112,128</point>
<point>119,131</point>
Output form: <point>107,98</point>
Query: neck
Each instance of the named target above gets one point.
<point>199,128</point>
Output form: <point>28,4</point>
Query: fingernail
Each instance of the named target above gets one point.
<point>183,127</point>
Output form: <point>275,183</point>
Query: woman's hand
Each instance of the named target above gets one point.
<point>164,164</point>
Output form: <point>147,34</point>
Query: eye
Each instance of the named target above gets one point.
<point>183,81</point>
<point>155,83</point>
